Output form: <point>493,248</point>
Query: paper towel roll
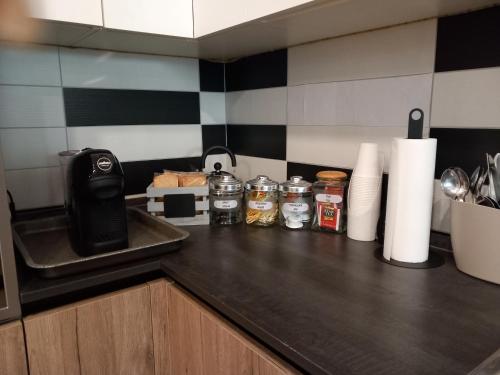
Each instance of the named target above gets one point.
<point>409,200</point>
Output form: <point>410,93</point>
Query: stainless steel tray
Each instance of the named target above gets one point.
<point>45,244</point>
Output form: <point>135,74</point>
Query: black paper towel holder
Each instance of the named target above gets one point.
<point>434,260</point>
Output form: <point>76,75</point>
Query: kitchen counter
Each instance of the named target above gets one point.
<point>328,305</point>
<point>321,301</point>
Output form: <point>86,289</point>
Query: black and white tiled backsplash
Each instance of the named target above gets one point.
<point>284,112</point>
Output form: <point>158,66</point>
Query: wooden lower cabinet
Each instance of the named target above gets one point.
<point>12,352</point>
<point>111,334</point>
<point>153,329</point>
<point>198,341</point>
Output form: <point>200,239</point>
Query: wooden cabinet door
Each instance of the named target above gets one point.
<point>159,317</point>
<point>12,353</point>
<point>111,334</point>
<point>223,351</point>
<point>115,334</point>
<point>200,342</point>
<point>184,329</point>
<point>52,342</point>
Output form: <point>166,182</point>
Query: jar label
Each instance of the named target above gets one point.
<point>259,205</point>
<point>328,198</point>
<point>225,204</point>
<point>295,207</point>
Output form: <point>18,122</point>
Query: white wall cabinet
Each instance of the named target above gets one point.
<point>88,12</point>
<point>214,15</point>
<point>163,17</point>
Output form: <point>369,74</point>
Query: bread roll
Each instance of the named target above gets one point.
<point>192,179</point>
<point>166,180</point>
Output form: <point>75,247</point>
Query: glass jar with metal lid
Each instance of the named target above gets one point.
<point>226,196</point>
<point>329,201</point>
<point>295,202</point>
<point>261,196</point>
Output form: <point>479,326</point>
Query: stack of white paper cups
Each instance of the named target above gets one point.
<point>364,193</point>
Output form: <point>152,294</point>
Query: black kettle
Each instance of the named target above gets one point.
<point>218,166</point>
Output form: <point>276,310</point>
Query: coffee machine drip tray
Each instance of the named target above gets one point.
<point>46,247</point>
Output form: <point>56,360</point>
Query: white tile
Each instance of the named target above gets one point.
<point>26,64</point>
<point>116,70</point>
<point>440,210</point>
<point>140,142</point>
<point>34,188</point>
<point>402,50</point>
<point>225,161</point>
<point>262,106</point>
<point>466,99</point>
<point>29,106</point>
<point>32,148</point>
<point>249,167</point>
<point>337,146</point>
<point>212,108</point>
<point>374,102</point>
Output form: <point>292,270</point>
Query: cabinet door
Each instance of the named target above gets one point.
<point>159,318</point>
<point>12,353</point>
<point>52,342</point>
<point>88,12</point>
<point>214,15</point>
<point>223,351</point>
<point>115,334</point>
<point>184,328</point>
<point>164,17</point>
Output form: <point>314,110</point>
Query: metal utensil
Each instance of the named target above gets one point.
<point>487,201</point>
<point>490,163</point>
<point>474,177</point>
<point>480,182</point>
<point>455,183</point>
<point>464,183</point>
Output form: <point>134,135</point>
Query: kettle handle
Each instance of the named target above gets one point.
<point>223,148</point>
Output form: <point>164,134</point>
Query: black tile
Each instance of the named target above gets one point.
<point>468,41</point>
<point>139,174</point>
<point>258,71</point>
<point>211,76</point>
<point>262,141</point>
<point>93,107</point>
<point>213,135</point>
<point>464,148</point>
<point>308,172</point>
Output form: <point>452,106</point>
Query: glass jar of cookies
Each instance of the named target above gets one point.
<point>261,196</point>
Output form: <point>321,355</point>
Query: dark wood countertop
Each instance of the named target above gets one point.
<point>325,303</point>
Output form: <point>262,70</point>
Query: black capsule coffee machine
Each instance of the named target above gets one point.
<point>96,203</point>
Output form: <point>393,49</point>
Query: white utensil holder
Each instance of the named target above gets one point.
<point>475,237</point>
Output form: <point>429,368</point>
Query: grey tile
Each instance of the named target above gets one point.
<point>212,108</point>
<point>30,106</point>
<point>140,142</point>
<point>116,70</point>
<point>401,50</point>
<point>32,147</point>
<point>261,106</point>
<point>34,188</point>
<point>28,64</point>
<point>466,99</point>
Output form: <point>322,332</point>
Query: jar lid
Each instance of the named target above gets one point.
<point>225,183</point>
<point>331,175</point>
<point>296,185</point>
<point>261,183</point>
